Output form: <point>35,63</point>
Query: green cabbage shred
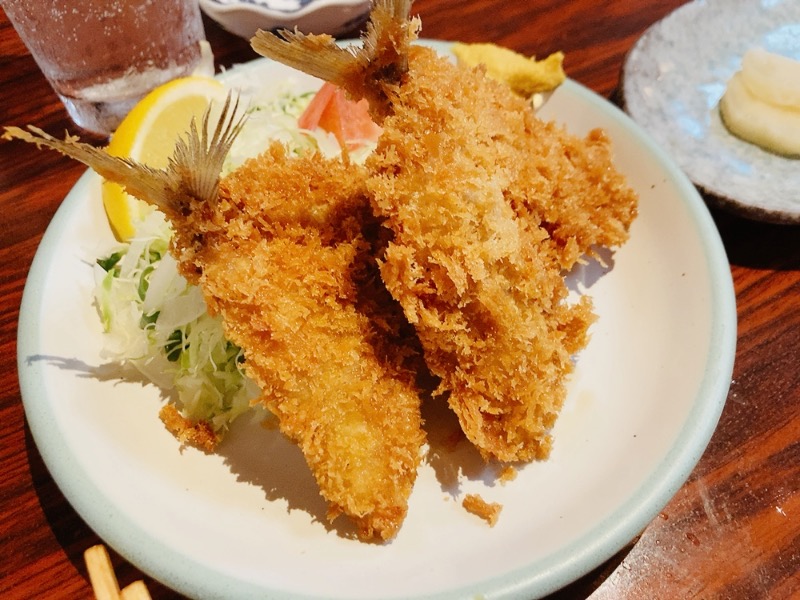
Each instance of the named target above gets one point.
<point>157,322</point>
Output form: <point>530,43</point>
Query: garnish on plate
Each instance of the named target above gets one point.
<point>761,104</point>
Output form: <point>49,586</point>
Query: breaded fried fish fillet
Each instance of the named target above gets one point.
<point>488,206</point>
<point>299,290</point>
<point>279,249</point>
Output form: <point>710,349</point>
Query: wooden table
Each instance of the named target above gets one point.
<point>732,531</point>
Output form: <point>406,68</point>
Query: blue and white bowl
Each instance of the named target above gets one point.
<point>245,17</point>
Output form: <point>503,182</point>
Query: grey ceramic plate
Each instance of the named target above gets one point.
<point>672,82</point>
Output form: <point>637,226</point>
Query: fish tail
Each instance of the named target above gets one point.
<point>317,55</point>
<point>368,71</point>
<point>198,158</point>
<point>138,179</point>
<point>193,170</point>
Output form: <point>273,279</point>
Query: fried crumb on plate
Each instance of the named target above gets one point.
<point>200,434</point>
<point>488,511</point>
<point>507,473</point>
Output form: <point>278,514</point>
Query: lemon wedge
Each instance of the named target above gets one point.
<point>148,135</point>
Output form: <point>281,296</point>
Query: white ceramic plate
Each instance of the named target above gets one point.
<point>674,78</point>
<point>248,522</point>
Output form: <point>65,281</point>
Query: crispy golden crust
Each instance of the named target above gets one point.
<point>488,511</point>
<point>488,206</point>
<point>283,258</point>
<point>508,473</point>
<point>569,186</point>
<point>200,434</point>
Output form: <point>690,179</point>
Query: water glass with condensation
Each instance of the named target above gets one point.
<point>102,56</point>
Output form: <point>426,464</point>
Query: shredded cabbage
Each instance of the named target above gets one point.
<point>157,322</point>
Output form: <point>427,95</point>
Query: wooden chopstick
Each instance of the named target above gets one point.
<point>135,591</point>
<point>104,581</point>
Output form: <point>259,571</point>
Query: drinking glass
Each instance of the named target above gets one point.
<point>102,56</point>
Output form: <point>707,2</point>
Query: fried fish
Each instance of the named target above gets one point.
<point>488,207</point>
<point>283,248</point>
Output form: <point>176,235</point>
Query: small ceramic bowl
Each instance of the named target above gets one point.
<point>245,17</point>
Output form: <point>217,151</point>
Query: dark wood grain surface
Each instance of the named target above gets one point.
<point>732,531</point>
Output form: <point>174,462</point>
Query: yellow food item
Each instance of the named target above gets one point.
<point>526,76</point>
<point>772,77</point>
<point>488,511</point>
<point>761,104</point>
<point>148,135</point>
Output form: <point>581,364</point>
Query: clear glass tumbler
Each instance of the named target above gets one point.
<point>102,56</point>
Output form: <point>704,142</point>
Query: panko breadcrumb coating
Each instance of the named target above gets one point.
<point>284,250</point>
<point>488,207</point>
<point>283,257</point>
<point>198,434</point>
<point>488,511</point>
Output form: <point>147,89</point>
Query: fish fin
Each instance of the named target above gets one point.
<point>193,170</point>
<point>363,71</point>
<point>317,55</point>
<point>138,179</point>
<point>198,157</point>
